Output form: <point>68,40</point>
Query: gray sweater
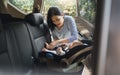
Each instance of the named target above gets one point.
<point>69,30</point>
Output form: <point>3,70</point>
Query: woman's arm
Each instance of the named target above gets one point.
<point>73,30</point>
<point>56,42</point>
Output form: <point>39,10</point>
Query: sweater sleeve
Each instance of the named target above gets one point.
<point>73,29</point>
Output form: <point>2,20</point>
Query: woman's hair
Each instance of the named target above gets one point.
<point>53,11</point>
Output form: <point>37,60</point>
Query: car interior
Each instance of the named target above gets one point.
<point>23,35</point>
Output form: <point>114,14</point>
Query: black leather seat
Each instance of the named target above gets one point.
<point>38,31</point>
<point>16,46</point>
<point>7,18</point>
<point>15,49</point>
<point>5,63</point>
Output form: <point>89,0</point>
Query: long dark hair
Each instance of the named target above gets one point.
<point>53,11</point>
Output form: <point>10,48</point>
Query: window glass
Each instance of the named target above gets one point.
<point>67,6</point>
<point>24,5</point>
<point>87,10</point>
<point>81,8</point>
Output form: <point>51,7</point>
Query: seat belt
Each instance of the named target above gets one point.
<point>52,39</point>
<point>48,33</point>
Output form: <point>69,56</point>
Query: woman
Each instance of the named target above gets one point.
<point>63,27</point>
<point>63,30</point>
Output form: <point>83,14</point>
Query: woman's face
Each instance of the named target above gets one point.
<point>58,21</point>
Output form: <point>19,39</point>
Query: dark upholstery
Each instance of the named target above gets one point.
<point>34,19</point>
<point>7,18</point>
<point>15,49</point>
<point>19,37</point>
<point>1,26</point>
<point>38,38</point>
<point>38,29</point>
<point>5,63</point>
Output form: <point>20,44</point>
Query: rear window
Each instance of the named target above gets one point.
<point>67,6</point>
<point>76,8</point>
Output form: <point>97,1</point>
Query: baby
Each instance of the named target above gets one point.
<point>60,49</point>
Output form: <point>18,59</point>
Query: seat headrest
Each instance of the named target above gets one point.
<point>6,18</point>
<point>34,19</point>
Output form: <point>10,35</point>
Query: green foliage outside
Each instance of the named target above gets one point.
<point>24,5</point>
<point>64,5</point>
<point>86,7</point>
<point>88,10</point>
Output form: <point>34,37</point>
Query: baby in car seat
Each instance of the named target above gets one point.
<point>61,49</point>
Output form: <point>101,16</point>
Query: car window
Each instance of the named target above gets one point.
<point>83,11</point>
<point>69,8</point>
<point>87,10</point>
<point>23,5</point>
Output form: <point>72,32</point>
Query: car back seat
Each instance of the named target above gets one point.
<point>15,49</point>
<point>17,43</point>
<point>39,34</point>
<point>38,30</point>
<point>5,62</point>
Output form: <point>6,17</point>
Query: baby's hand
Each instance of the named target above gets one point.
<point>60,51</point>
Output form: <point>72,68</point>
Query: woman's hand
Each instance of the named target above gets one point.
<point>75,43</point>
<point>54,43</point>
<point>60,41</point>
<point>57,42</point>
